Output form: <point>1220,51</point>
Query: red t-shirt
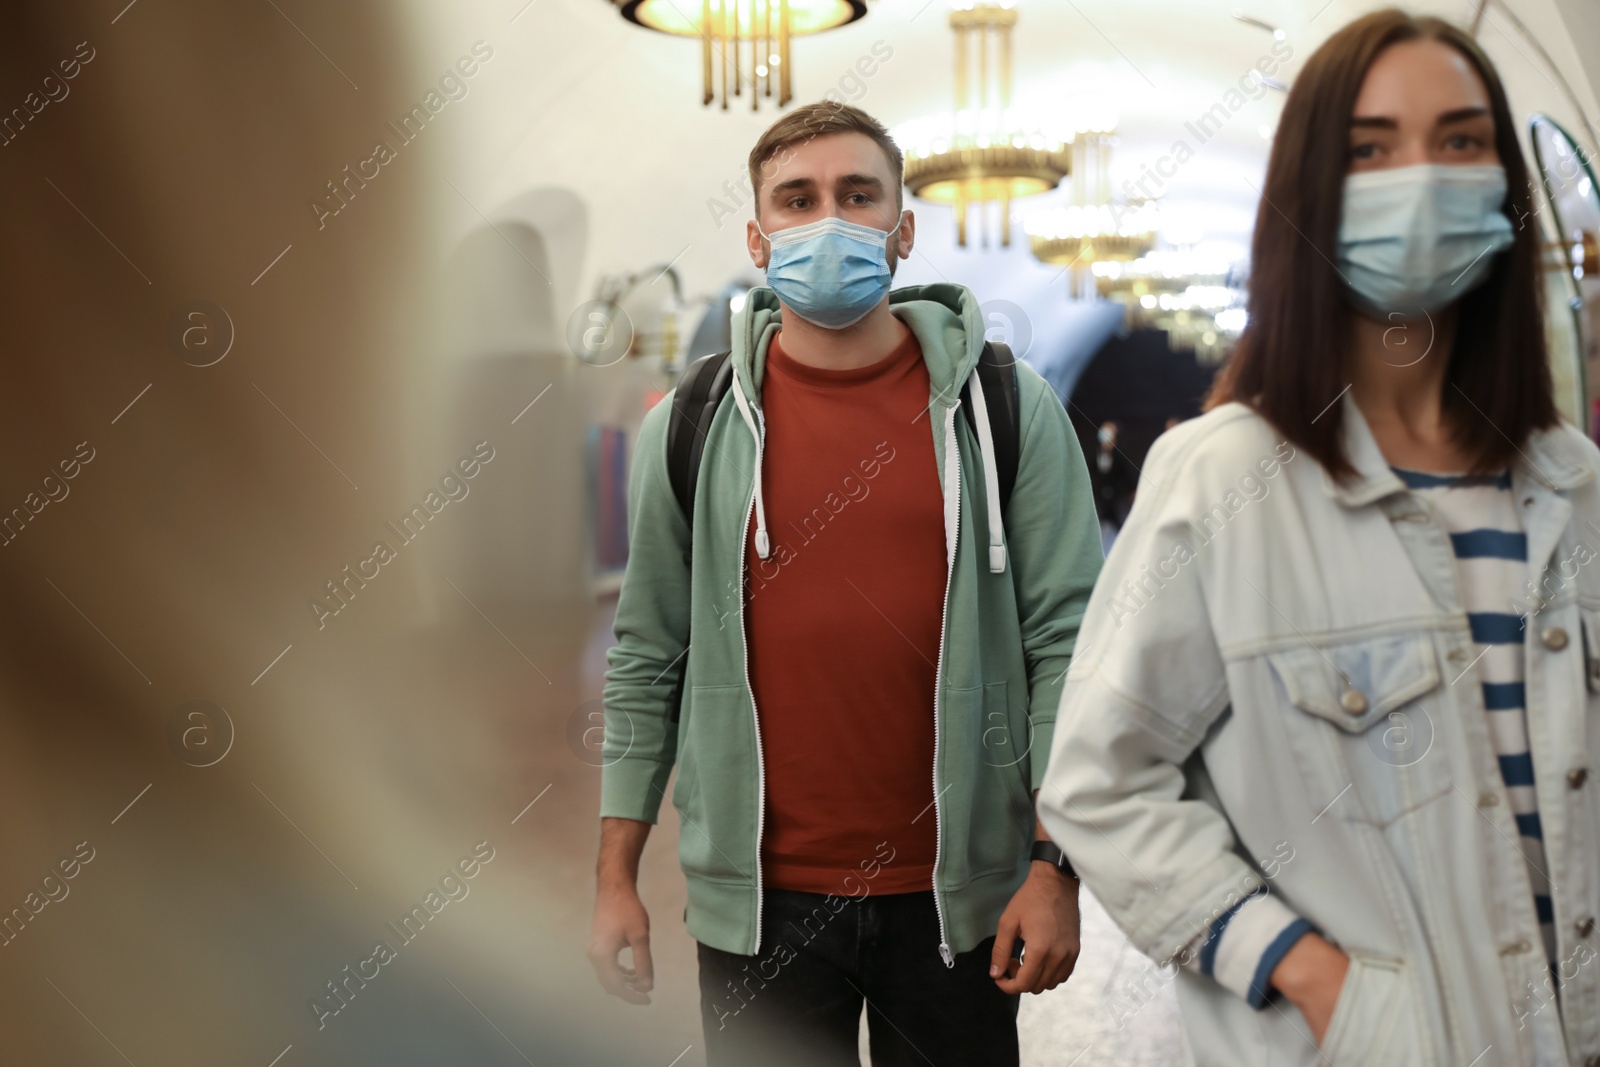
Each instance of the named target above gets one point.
<point>843,620</point>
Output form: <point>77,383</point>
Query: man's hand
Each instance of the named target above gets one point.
<point>1044,913</point>
<point>1311,975</point>
<point>620,921</point>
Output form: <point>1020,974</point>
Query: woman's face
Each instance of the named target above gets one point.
<point>1421,102</point>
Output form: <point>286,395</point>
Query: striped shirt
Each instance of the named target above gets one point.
<point>1492,568</point>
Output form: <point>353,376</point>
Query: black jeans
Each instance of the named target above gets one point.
<point>798,1002</point>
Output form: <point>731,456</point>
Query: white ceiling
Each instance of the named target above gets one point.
<point>579,99</point>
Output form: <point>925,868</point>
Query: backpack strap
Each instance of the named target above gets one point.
<point>701,389</point>
<point>703,385</point>
<point>997,370</point>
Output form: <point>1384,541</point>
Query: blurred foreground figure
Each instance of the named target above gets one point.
<point>258,789</point>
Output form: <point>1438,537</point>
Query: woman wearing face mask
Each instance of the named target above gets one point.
<point>1328,742</point>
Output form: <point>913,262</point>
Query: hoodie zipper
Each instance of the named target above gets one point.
<point>952,466</point>
<point>761,766</point>
<point>952,492</point>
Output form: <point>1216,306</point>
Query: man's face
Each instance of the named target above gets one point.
<point>843,175</point>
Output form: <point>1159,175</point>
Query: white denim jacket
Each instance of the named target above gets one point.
<point>1274,687</point>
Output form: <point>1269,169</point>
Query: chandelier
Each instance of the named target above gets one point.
<point>1092,228</point>
<point>987,150</point>
<point>1197,298</point>
<point>743,43</point>
<point>1092,233</point>
<point>1166,270</point>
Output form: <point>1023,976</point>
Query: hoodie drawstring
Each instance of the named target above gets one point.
<point>991,476</point>
<point>763,543</point>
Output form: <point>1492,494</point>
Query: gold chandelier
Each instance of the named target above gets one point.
<point>987,151</point>
<point>743,43</point>
<point>1167,271</point>
<point>1092,233</point>
<point>1196,297</point>
<point>1091,228</point>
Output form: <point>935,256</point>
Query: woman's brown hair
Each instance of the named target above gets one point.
<point>1289,364</point>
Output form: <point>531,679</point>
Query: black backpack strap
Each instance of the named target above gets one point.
<point>703,385</point>
<point>701,389</point>
<point>997,370</point>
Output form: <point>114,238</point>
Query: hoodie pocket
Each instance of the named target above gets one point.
<point>1363,720</point>
<point>985,802</point>
<point>716,785</point>
<point>1006,741</point>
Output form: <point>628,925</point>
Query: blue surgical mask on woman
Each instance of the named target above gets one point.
<point>1413,239</point>
<point>831,272</point>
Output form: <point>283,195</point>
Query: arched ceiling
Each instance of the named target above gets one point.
<point>578,98</point>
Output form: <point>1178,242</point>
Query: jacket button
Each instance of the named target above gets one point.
<point>1516,949</point>
<point>1555,638</point>
<point>1488,800</point>
<point>1585,926</point>
<point>1353,701</point>
<point>1459,655</point>
<point>1577,776</point>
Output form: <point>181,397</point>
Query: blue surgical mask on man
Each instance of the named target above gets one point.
<point>1413,239</point>
<point>830,272</point>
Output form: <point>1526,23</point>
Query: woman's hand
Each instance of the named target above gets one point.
<point>1311,975</point>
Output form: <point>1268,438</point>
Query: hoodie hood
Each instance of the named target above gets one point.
<point>944,317</point>
<point>947,324</point>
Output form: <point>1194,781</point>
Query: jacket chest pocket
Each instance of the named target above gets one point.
<point>1363,721</point>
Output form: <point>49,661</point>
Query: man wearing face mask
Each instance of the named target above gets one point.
<point>873,648</point>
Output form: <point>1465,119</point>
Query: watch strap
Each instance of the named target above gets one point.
<point>1050,853</point>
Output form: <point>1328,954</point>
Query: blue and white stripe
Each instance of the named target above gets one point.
<point>1244,944</point>
<point>1492,566</point>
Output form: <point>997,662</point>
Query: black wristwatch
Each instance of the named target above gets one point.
<point>1047,851</point>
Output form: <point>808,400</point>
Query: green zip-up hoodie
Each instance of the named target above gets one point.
<point>1011,620</point>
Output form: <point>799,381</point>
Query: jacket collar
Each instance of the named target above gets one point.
<point>1548,458</point>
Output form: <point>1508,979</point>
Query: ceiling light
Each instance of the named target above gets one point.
<point>987,150</point>
<point>735,34</point>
